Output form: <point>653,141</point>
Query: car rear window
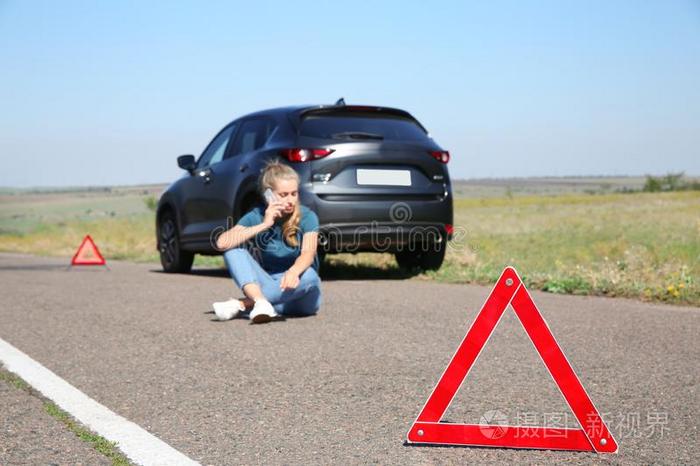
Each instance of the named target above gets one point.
<point>344,126</point>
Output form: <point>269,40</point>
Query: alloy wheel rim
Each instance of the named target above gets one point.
<point>168,241</point>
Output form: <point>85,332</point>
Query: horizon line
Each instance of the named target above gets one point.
<point>483,178</point>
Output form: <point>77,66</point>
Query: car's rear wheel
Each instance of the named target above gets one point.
<point>321,259</point>
<point>172,257</point>
<point>421,257</point>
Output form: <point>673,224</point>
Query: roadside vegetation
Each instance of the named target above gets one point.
<point>99,443</point>
<point>588,236</point>
<point>670,182</point>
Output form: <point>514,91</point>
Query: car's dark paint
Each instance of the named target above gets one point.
<point>355,217</point>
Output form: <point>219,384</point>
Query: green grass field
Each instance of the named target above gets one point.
<point>563,235</point>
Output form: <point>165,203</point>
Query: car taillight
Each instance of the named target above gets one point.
<point>304,155</point>
<point>440,155</point>
<point>449,229</point>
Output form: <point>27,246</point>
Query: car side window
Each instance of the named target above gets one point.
<point>252,136</point>
<point>216,150</point>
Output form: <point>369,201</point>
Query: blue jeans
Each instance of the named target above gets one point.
<point>304,300</point>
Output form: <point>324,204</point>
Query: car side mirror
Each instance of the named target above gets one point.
<point>186,162</point>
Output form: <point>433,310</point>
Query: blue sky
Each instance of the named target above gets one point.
<point>101,93</point>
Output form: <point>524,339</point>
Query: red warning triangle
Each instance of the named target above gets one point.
<point>88,254</point>
<point>593,434</point>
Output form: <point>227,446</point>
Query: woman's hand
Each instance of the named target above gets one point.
<point>273,211</point>
<point>290,280</point>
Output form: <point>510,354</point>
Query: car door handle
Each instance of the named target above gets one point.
<point>244,167</point>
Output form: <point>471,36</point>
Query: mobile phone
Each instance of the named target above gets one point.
<point>269,196</point>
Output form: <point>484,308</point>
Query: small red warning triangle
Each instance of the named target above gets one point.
<point>88,254</point>
<point>427,428</point>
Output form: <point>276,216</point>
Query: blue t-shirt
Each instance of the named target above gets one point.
<point>275,254</point>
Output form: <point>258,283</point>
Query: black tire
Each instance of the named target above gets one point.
<point>419,257</point>
<point>172,257</point>
<point>321,259</point>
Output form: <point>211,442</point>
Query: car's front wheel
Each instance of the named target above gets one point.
<point>172,257</point>
<point>424,258</point>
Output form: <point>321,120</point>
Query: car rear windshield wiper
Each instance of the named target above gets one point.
<point>356,135</point>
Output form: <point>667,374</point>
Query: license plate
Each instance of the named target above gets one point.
<point>384,177</point>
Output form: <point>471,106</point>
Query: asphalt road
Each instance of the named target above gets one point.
<point>344,386</point>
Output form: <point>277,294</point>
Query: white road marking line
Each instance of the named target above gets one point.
<point>136,443</point>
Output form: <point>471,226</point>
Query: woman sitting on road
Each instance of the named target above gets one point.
<point>285,232</point>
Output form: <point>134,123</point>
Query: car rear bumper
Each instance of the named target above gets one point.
<point>379,236</point>
<point>380,223</point>
<point>380,207</point>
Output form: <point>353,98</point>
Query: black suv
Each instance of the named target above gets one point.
<point>373,175</point>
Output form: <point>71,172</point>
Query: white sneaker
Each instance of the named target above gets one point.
<point>227,310</point>
<point>262,312</point>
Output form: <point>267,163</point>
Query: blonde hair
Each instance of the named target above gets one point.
<point>273,171</point>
